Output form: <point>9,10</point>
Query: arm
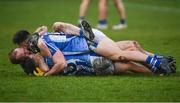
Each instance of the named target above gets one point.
<point>41,30</point>
<point>66,28</point>
<point>55,54</point>
<point>40,62</point>
<point>59,64</point>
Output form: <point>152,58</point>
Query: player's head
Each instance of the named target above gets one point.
<point>19,55</point>
<point>20,37</point>
<point>22,56</point>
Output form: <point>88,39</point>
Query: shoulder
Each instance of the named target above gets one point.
<point>41,44</point>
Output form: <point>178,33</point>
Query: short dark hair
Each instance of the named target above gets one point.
<point>28,66</point>
<point>20,36</point>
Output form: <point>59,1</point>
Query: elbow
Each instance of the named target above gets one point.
<point>57,26</point>
<point>62,65</point>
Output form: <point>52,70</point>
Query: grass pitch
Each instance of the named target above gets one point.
<point>154,23</point>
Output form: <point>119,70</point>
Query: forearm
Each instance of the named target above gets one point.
<point>66,28</point>
<point>55,69</point>
<point>40,62</point>
<point>43,66</point>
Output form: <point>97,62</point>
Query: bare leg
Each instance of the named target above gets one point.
<point>66,28</point>
<point>109,49</point>
<point>121,67</point>
<point>83,7</point>
<point>120,8</point>
<point>102,9</point>
<point>131,45</point>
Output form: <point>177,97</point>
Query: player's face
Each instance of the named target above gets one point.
<point>22,52</point>
<point>23,44</point>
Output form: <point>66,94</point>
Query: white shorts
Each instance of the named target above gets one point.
<point>98,35</point>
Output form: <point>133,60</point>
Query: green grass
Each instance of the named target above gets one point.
<point>154,23</point>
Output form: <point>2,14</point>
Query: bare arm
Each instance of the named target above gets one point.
<point>58,59</point>
<point>59,64</point>
<point>41,30</point>
<point>66,28</point>
<point>40,62</point>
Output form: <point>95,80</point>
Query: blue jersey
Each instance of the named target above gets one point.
<point>72,47</point>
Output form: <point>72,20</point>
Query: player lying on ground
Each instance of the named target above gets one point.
<point>104,46</point>
<point>99,65</point>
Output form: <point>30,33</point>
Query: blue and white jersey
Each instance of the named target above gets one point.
<point>68,44</point>
<point>50,63</point>
<point>72,47</point>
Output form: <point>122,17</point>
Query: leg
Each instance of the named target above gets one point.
<point>83,8</point>
<point>102,9</point>
<point>121,67</point>
<point>109,49</point>
<point>120,8</point>
<point>102,14</point>
<point>105,66</point>
<point>131,45</point>
<point>74,30</point>
<point>66,28</point>
<point>135,46</point>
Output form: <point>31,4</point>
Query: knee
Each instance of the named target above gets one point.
<point>134,45</point>
<point>123,59</point>
<point>137,45</point>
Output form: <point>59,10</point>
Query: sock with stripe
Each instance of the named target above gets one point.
<point>103,22</point>
<point>158,56</point>
<point>153,62</point>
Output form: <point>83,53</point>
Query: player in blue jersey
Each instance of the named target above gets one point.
<point>61,48</point>
<point>99,65</point>
<point>104,46</point>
